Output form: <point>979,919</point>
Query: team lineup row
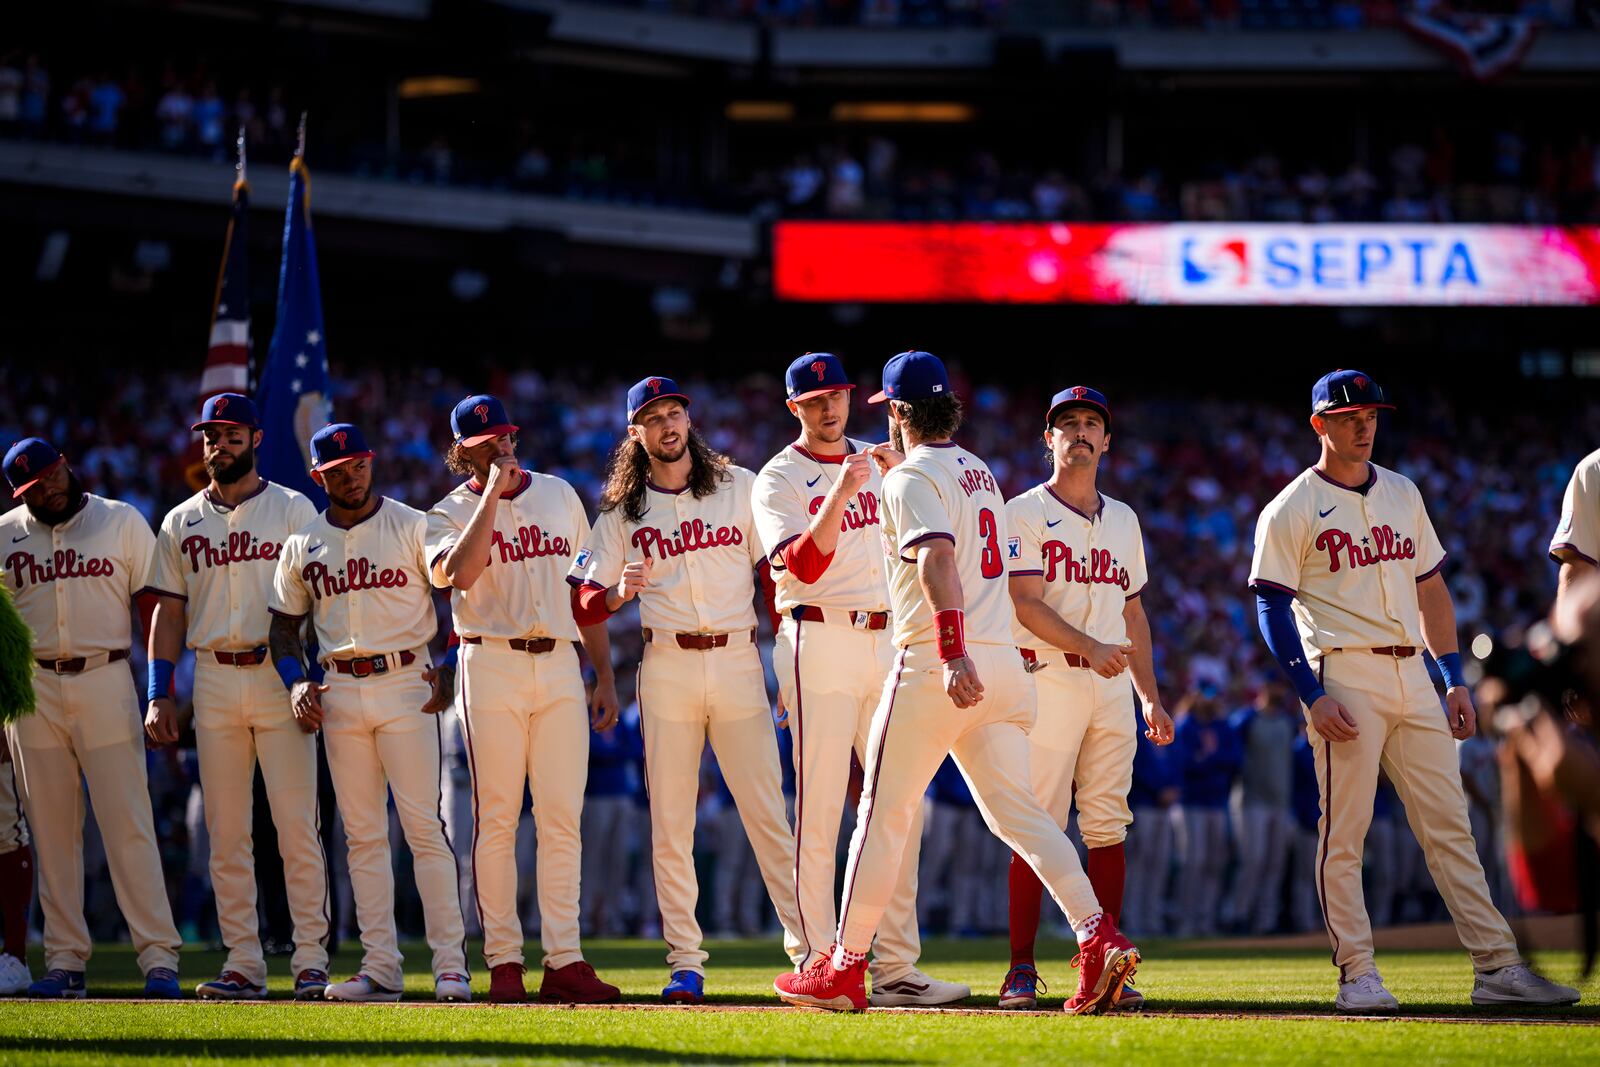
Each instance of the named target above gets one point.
<point>920,614</point>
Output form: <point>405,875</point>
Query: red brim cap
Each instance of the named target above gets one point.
<point>222,422</point>
<point>657,400</point>
<point>877,398</point>
<point>25,486</point>
<point>822,392</point>
<point>489,434</point>
<point>342,459</point>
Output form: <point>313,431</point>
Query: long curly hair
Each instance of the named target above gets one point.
<point>628,471</point>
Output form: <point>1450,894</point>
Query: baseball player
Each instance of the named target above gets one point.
<point>676,530</point>
<point>1076,569</point>
<point>817,513</point>
<point>501,542</point>
<point>360,571</point>
<point>73,563</point>
<point>957,686</point>
<point>1348,591</point>
<point>1576,544</point>
<point>216,554</point>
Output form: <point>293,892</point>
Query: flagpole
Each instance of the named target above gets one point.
<point>239,165</point>
<point>300,138</point>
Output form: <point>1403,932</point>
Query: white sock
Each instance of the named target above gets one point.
<point>1085,930</point>
<point>844,959</point>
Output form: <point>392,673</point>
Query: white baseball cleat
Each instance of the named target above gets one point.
<point>451,986</point>
<point>14,975</point>
<point>1517,984</point>
<point>916,990</point>
<point>1365,995</point>
<point>361,989</point>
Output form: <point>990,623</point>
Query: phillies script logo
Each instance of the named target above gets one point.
<point>858,514</point>
<point>23,462</point>
<point>654,385</point>
<point>356,574</point>
<point>241,547</point>
<point>1097,567</point>
<point>482,411</point>
<point>339,439</point>
<point>1384,544</point>
<point>688,537</point>
<point>820,369</point>
<point>220,406</point>
<point>530,543</point>
<point>65,563</point>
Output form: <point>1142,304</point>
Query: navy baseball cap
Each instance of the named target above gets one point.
<point>336,443</point>
<point>27,461</point>
<point>228,409</point>
<point>912,376</point>
<point>649,390</point>
<point>813,374</point>
<point>479,418</point>
<point>1346,390</point>
<point>1078,396</point>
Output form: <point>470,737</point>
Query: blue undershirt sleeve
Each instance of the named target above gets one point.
<point>1275,615</point>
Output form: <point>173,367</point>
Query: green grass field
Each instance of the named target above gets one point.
<point>1205,1006</point>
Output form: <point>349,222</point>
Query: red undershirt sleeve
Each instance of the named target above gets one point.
<point>804,560</point>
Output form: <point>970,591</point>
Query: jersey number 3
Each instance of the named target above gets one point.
<point>991,564</point>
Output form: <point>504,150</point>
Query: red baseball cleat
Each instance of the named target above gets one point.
<point>576,983</point>
<point>505,984</point>
<point>1104,963</point>
<point>821,986</point>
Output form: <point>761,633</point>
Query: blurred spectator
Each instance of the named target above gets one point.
<point>1205,752</point>
<point>10,91</point>
<point>105,109</point>
<point>175,113</point>
<point>1262,814</point>
<point>1149,844</point>
<point>207,118</point>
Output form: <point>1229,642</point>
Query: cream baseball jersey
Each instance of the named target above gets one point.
<point>221,560</point>
<point>1352,558</point>
<point>705,552</point>
<point>944,491</point>
<point>1091,565</point>
<point>1578,535</point>
<point>365,586</point>
<point>522,592</point>
<point>789,492</point>
<point>72,582</point>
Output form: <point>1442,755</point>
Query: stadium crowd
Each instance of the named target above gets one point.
<point>1427,174</point>
<point>1223,836</point>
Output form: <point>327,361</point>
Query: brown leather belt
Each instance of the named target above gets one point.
<point>533,645</point>
<point>77,664</point>
<point>363,666</point>
<point>1397,651</point>
<point>242,659</point>
<point>695,642</point>
<point>861,620</point>
<point>1072,659</point>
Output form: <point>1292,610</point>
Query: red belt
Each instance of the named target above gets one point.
<point>862,620</point>
<point>242,659</point>
<point>1072,658</point>
<point>697,642</point>
<point>1397,651</point>
<point>532,645</point>
<point>76,664</point>
<point>362,666</point>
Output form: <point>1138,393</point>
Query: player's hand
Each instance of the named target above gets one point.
<point>504,476</point>
<point>782,718</point>
<point>885,457</point>
<point>961,682</point>
<point>1332,720</point>
<point>604,707</point>
<point>443,681</point>
<point>1158,724</point>
<point>1108,661</point>
<point>1462,715</point>
<point>161,721</point>
<point>853,473</point>
<point>635,577</point>
<point>306,700</point>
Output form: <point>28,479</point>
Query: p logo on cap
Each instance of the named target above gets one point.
<point>649,390</point>
<point>814,374</point>
<point>228,409</point>
<point>1078,396</point>
<point>336,443</point>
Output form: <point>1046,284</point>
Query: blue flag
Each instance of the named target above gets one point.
<point>294,397</point>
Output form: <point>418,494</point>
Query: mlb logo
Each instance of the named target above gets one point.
<point>583,558</point>
<point>1014,548</point>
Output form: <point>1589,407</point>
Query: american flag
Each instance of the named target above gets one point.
<point>227,368</point>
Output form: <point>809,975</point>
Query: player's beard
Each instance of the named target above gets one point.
<point>242,465</point>
<point>351,503</point>
<point>75,499</point>
<point>663,456</point>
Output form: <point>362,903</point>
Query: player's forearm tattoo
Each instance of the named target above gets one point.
<point>284,639</point>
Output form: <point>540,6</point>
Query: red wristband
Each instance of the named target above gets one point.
<point>950,627</point>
